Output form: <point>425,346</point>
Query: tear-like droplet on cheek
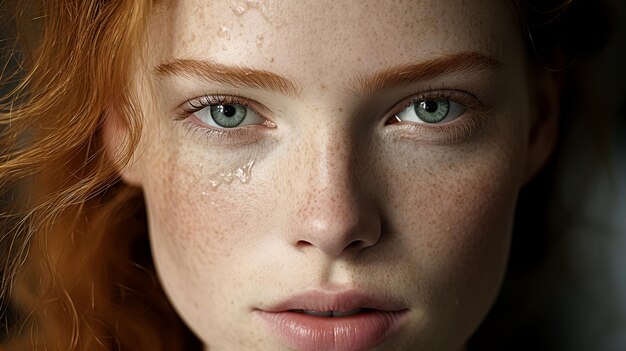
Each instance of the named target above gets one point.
<point>243,174</point>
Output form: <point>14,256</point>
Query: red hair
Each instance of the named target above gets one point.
<point>81,284</point>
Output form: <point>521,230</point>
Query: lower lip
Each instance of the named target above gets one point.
<point>360,331</point>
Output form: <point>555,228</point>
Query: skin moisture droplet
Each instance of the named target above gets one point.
<point>224,32</point>
<point>243,6</point>
<point>240,8</point>
<point>243,174</point>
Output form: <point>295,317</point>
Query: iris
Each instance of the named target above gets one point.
<point>228,116</point>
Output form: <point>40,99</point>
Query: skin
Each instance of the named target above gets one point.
<point>337,198</point>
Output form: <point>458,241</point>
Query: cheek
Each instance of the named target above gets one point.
<point>451,210</point>
<point>198,204</point>
<point>199,232</point>
<point>452,200</point>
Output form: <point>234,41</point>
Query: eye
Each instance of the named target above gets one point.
<point>228,115</point>
<point>430,111</point>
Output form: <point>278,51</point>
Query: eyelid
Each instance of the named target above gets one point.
<point>196,104</point>
<point>466,99</point>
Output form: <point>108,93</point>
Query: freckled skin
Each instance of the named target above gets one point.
<point>336,198</point>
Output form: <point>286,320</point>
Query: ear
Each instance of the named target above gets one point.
<point>115,137</point>
<point>544,122</point>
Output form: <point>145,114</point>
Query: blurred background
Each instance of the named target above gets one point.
<point>592,303</point>
<point>566,283</point>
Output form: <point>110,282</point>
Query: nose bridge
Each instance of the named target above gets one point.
<point>334,212</point>
<point>333,160</point>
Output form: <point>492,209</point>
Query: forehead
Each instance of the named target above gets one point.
<point>312,38</point>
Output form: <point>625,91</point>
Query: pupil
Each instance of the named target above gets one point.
<point>430,106</point>
<point>229,110</point>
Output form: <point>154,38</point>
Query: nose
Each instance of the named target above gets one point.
<point>335,211</point>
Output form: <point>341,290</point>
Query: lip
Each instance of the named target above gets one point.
<point>359,331</point>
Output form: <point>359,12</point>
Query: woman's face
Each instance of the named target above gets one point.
<point>359,158</point>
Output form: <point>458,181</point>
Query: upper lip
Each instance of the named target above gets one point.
<point>346,300</point>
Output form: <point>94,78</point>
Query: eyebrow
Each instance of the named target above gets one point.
<point>229,75</point>
<point>406,74</point>
<point>237,76</point>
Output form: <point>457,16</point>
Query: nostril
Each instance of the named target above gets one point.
<point>352,246</point>
<point>357,244</point>
<point>301,244</point>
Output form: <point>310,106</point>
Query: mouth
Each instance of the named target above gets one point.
<point>321,320</point>
<point>335,314</point>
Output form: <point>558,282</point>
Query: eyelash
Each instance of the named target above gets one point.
<point>451,131</point>
<point>208,100</point>
<point>464,98</point>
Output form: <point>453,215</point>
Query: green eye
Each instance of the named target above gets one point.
<point>432,111</point>
<point>224,112</point>
<point>228,116</point>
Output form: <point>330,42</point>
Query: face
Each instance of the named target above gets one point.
<point>333,175</point>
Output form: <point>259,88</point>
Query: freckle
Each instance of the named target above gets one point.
<point>341,109</point>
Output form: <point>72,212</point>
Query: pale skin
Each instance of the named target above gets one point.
<point>340,194</point>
